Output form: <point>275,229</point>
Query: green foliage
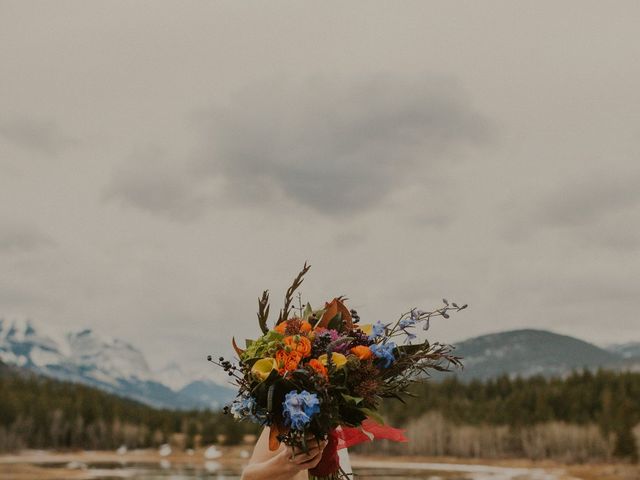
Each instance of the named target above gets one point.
<point>609,399</point>
<point>38,412</point>
<point>262,347</point>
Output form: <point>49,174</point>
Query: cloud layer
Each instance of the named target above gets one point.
<point>336,147</point>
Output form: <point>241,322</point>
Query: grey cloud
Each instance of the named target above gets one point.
<point>583,203</point>
<point>18,297</point>
<point>573,288</point>
<point>22,238</point>
<point>40,135</point>
<point>348,239</point>
<point>335,146</point>
<point>151,182</point>
<point>599,210</point>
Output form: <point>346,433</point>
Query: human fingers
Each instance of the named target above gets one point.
<point>311,463</point>
<point>313,443</point>
<point>302,457</point>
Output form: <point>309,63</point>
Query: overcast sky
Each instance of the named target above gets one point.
<point>161,163</point>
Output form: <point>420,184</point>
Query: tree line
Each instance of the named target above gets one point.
<point>585,415</point>
<point>39,412</point>
<point>601,404</point>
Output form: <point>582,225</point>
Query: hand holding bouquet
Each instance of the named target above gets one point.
<point>322,372</point>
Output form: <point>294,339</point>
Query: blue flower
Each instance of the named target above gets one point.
<point>242,407</point>
<point>407,322</point>
<point>378,330</point>
<point>299,408</point>
<point>384,351</point>
<point>410,337</point>
<point>245,408</point>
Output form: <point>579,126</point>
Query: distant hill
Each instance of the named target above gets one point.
<point>109,364</point>
<point>626,350</point>
<point>530,352</point>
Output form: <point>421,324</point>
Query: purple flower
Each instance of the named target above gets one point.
<point>298,408</point>
<point>333,334</point>
<point>384,351</point>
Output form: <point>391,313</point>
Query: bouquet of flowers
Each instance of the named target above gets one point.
<point>323,372</point>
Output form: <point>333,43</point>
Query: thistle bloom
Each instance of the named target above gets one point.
<point>299,408</point>
<point>384,351</point>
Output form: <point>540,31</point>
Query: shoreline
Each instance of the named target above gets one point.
<point>72,465</point>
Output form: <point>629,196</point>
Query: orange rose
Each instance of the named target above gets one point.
<point>287,361</point>
<point>299,344</point>
<point>362,352</point>
<point>305,327</point>
<point>281,327</point>
<point>292,362</point>
<point>318,367</point>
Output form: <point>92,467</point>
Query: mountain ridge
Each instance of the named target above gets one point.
<point>528,352</point>
<point>110,364</point>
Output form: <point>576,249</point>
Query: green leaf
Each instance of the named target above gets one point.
<point>373,415</point>
<point>308,311</point>
<point>352,416</point>
<point>248,343</point>
<point>270,394</point>
<point>272,335</point>
<point>350,399</point>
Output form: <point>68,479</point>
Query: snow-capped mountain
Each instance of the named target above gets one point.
<point>107,359</point>
<point>107,363</point>
<point>178,376</point>
<point>206,392</point>
<point>205,387</point>
<point>173,376</point>
<point>22,345</point>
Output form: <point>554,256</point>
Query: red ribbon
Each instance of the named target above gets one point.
<point>345,437</point>
<point>329,462</point>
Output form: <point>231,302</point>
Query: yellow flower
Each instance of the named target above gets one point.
<point>337,359</point>
<point>366,328</point>
<point>262,368</point>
